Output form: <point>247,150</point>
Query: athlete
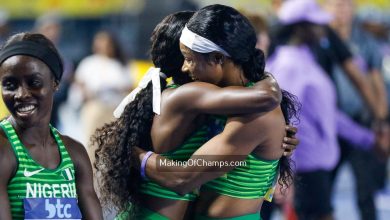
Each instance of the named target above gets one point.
<point>43,174</point>
<point>178,131</point>
<point>251,138</point>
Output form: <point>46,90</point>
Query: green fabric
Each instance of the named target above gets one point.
<point>249,84</point>
<point>144,214</point>
<point>173,86</point>
<point>34,181</point>
<point>254,216</point>
<point>251,181</point>
<point>183,153</point>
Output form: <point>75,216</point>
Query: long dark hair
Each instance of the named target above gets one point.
<point>233,32</point>
<point>118,180</point>
<point>290,107</point>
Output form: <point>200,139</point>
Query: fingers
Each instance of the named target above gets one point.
<point>291,130</point>
<point>287,153</point>
<point>290,141</point>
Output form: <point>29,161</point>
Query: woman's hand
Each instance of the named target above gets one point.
<point>290,142</point>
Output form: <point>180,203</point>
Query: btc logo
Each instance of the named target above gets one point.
<point>58,210</point>
<point>51,208</point>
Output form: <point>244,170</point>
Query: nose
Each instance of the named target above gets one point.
<point>22,92</point>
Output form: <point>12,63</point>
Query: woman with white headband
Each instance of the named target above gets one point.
<point>179,130</point>
<point>252,138</point>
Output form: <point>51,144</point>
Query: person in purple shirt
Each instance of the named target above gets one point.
<point>297,71</point>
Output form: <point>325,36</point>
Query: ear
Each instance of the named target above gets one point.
<point>217,57</point>
<point>56,85</point>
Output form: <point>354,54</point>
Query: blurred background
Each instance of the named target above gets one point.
<point>132,21</point>
<point>115,35</point>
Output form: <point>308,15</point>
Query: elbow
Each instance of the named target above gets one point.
<point>180,186</point>
<point>276,97</point>
<point>272,100</point>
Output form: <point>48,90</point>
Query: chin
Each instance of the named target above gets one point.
<point>27,122</point>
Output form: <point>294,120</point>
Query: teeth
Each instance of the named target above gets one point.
<point>26,108</point>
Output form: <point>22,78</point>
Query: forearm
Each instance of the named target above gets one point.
<point>181,179</point>
<point>90,206</point>
<point>240,100</point>
<point>216,157</point>
<point>210,161</point>
<point>349,130</point>
<point>380,92</point>
<point>363,86</point>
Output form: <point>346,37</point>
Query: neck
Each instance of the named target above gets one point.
<point>38,134</point>
<point>234,75</point>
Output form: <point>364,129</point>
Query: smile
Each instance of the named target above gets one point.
<point>25,109</point>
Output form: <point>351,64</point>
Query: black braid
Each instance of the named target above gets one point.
<point>119,181</point>
<point>290,107</point>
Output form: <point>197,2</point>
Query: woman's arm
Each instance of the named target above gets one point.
<point>365,89</point>
<point>87,199</point>
<point>201,97</point>
<point>378,85</point>
<point>7,169</point>
<point>237,141</point>
<point>180,179</point>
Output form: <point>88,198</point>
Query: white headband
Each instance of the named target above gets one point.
<point>153,74</point>
<point>198,43</point>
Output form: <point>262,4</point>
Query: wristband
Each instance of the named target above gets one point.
<point>143,164</point>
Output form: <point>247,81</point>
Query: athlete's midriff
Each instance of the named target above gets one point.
<point>172,209</point>
<point>215,205</point>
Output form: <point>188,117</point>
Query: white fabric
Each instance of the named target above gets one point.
<point>198,43</point>
<point>104,78</point>
<point>153,74</point>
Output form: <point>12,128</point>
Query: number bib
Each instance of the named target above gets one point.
<point>51,208</point>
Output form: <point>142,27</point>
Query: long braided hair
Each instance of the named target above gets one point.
<point>118,180</point>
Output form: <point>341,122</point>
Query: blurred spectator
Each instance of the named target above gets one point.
<point>377,23</point>
<point>103,79</point>
<point>368,170</point>
<point>4,33</point>
<point>4,29</point>
<point>296,69</point>
<point>260,25</point>
<point>330,51</point>
<point>50,25</point>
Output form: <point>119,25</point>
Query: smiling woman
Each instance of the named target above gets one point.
<point>40,169</point>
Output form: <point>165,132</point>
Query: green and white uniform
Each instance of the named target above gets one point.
<point>212,126</point>
<point>256,179</point>
<point>44,192</point>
